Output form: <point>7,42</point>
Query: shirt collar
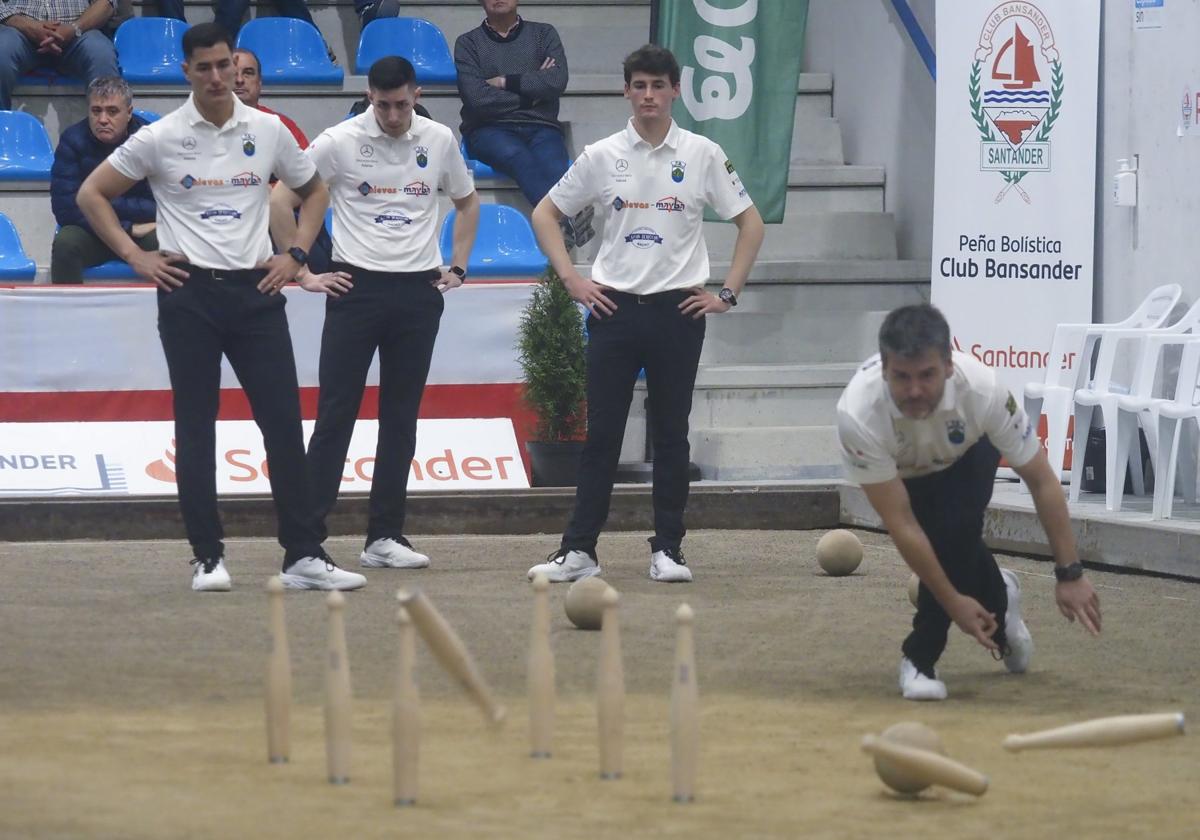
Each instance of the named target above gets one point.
<point>241,113</point>
<point>516,27</point>
<point>374,130</point>
<point>671,141</point>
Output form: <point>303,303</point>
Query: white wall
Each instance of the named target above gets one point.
<point>884,99</point>
<point>1142,83</point>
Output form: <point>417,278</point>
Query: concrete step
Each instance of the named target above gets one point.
<point>825,236</point>
<point>766,452</point>
<point>767,395</point>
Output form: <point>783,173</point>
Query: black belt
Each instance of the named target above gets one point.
<point>672,296</point>
<point>251,275</point>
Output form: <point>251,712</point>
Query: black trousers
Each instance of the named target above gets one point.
<point>645,332</point>
<point>211,314</point>
<point>397,314</point>
<point>950,505</point>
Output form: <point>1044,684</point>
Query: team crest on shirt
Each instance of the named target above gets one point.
<point>417,188</point>
<point>422,156</point>
<point>222,214</point>
<point>677,167</point>
<point>956,431</point>
<point>1010,405</point>
<point>248,144</point>
<point>392,220</point>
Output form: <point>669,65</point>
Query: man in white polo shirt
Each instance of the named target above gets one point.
<point>209,164</point>
<point>646,300</point>
<point>384,168</point>
<point>922,430</point>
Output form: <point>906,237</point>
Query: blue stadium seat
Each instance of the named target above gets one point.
<point>291,52</point>
<point>478,168</point>
<point>14,264</point>
<point>148,116</point>
<point>329,221</point>
<point>416,39</point>
<point>111,270</point>
<point>150,50</point>
<point>25,151</point>
<point>504,245</point>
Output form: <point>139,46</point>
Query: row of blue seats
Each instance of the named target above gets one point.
<point>26,153</point>
<point>504,247</point>
<point>150,50</point>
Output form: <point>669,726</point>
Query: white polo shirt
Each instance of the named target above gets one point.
<point>383,190</point>
<point>212,184</point>
<point>652,199</point>
<point>879,443</point>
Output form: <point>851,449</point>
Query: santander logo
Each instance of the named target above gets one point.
<point>164,468</point>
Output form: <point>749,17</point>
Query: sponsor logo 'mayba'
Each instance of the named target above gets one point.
<point>164,468</point>
<point>1016,94</point>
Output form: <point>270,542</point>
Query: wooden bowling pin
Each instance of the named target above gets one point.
<point>610,691</point>
<point>337,694</point>
<point>541,673</point>
<point>279,678</point>
<point>685,710</point>
<point>406,716</point>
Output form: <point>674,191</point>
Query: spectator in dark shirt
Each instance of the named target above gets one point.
<point>81,148</point>
<point>511,73</point>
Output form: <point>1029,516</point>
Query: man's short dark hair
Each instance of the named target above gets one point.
<point>652,59</point>
<point>252,54</point>
<point>204,35</point>
<point>910,331</point>
<point>391,72</point>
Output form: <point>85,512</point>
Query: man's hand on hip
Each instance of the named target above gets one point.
<point>159,267</point>
<point>699,303</point>
<point>590,294</point>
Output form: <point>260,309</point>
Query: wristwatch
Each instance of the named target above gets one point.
<point>77,30</point>
<point>728,296</point>
<point>1065,574</point>
<point>298,254</point>
<point>460,271</point>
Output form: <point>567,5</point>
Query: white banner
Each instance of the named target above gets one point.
<point>106,339</point>
<point>1015,176</point>
<point>70,459</point>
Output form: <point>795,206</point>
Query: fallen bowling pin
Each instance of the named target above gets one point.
<point>928,767</point>
<point>1101,732</point>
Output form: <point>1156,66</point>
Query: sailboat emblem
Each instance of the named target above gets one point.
<point>1016,89</point>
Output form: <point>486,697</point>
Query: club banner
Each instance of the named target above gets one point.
<point>740,62</point>
<point>138,459</point>
<point>1015,177</point>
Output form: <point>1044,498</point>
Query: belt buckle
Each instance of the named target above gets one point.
<point>220,274</point>
<point>643,299</point>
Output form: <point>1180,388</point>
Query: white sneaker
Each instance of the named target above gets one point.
<point>916,686</point>
<point>388,553</point>
<point>668,566</point>
<point>1020,640</point>
<point>320,573</point>
<point>566,565</point>
<point>210,575</point>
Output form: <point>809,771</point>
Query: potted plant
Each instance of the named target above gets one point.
<point>550,349</point>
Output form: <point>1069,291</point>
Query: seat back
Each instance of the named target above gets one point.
<point>416,39</point>
<point>25,151</point>
<point>504,244</point>
<point>1154,310</point>
<point>148,116</point>
<point>1187,391</point>
<point>15,264</point>
<point>291,51</point>
<point>151,50</point>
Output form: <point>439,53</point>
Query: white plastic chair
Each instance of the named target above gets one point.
<point>1178,433</point>
<point>1055,395</point>
<point>1122,407</point>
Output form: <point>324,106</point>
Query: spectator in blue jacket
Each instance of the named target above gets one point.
<point>82,148</point>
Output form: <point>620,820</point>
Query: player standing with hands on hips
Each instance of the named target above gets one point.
<point>646,300</point>
<point>384,168</point>
<point>922,429</point>
<point>209,165</point>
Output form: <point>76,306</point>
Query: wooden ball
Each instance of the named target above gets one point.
<point>585,602</point>
<point>839,553</point>
<point>909,734</point>
<point>914,586</point>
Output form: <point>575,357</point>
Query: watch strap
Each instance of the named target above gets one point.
<point>460,271</point>
<point>1065,574</point>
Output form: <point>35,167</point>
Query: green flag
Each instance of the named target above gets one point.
<point>741,65</point>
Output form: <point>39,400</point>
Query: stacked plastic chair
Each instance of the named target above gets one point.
<point>1055,396</point>
<point>15,265</point>
<point>1178,436</point>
